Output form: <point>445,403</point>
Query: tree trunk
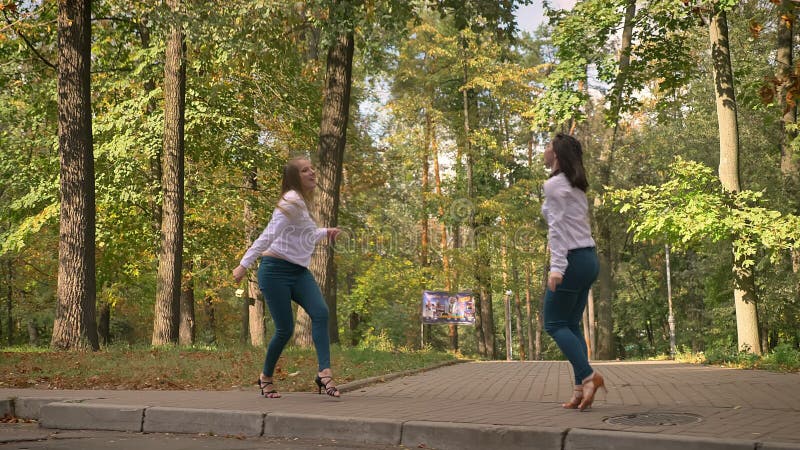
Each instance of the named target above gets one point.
<point>484,326</point>
<point>585,323</point>
<point>605,283</point>
<point>528,311</point>
<point>455,285</point>
<point>255,314</point>
<point>518,318</point>
<point>244,329</point>
<point>211,316</point>
<point>540,309</point>
<point>743,293</point>
<point>506,297</point>
<point>33,332</point>
<point>9,303</point>
<point>487,320</point>
<point>255,301</point>
<point>170,261</point>
<point>75,326</point>
<point>789,166</point>
<point>423,221</point>
<point>591,326</point>
<point>332,139</point>
<point>104,323</point>
<point>452,331</point>
<point>483,264</point>
<point>355,321</point>
<point>186,325</point>
<point>784,59</point>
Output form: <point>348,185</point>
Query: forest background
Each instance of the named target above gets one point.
<point>427,120</point>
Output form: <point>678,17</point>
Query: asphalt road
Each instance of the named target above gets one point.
<point>30,436</point>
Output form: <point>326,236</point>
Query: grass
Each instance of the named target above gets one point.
<point>175,368</point>
<point>783,358</point>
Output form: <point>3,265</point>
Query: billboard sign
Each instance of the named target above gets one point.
<point>448,308</point>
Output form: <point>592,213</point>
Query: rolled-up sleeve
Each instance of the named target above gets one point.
<point>555,195</point>
<point>276,226</point>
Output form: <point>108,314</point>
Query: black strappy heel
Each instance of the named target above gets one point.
<point>271,393</point>
<point>330,390</point>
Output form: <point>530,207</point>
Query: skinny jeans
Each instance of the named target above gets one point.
<point>281,282</point>
<point>563,309</point>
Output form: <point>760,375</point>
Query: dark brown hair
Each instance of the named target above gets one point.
<point>569,154</point>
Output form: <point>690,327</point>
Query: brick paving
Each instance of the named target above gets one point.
<point>731,403</point>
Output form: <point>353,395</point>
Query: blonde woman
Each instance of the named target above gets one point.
<point>285,247</point>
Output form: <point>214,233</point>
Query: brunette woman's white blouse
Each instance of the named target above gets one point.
<point>566,211</point>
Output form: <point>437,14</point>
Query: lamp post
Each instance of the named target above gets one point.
<point>671,318</point>
<point>507,300</point>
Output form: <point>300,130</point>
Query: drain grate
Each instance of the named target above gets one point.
<point>654,419</point>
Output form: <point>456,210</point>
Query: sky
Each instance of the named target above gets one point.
<point>531,16</point>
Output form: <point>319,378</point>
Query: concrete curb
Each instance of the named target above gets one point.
<point>7,407</point>
<point>363,430</point>
<point>30,407</point>
<point>580,439</point>
<point>358,384</point>
<point>778,446</point>
<point>217,422</point>
<point>439,435</point>
<point>83,416</point>
<point>448,435</point>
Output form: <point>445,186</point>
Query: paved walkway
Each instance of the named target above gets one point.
<point>474,405</point>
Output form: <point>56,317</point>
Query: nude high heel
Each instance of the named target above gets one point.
<point>591,384</point>
<point>575,401</point>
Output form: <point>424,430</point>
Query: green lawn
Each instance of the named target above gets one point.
<point>195,368</point>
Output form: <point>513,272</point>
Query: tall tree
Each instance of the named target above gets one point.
<point>788,106</point>
<point>170,261</point>
<point>330,156</point>
<point>75,326</point>
<point>424,225</point>
<point>744,294</point>
<point>253,297</point>
<point>605,286</point>
<point>343,19</point>
<point>452,331</point>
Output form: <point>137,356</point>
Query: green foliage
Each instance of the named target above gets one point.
<point>783,358</point>
<point>576,36</point>
<point>387,293</point>
<point>255,71</point>
<point>692,208</point>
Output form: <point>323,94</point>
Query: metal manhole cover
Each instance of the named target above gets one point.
<point>654,419</point>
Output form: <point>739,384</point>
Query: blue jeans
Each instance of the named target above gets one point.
<point>281,282</point>
<point>563,309</point>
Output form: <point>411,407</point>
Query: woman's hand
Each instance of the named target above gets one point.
<point>553,280</point>
<point>238,273</point>
<point>332,233</point>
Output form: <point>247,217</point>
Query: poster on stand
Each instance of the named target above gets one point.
<point>448,308</point>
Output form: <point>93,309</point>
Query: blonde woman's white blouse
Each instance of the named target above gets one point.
<point>291,233</point>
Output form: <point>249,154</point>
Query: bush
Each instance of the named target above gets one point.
<point>784,357</point>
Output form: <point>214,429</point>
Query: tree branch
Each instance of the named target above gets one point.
<point>30,46</point>
<point>113,19</point>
